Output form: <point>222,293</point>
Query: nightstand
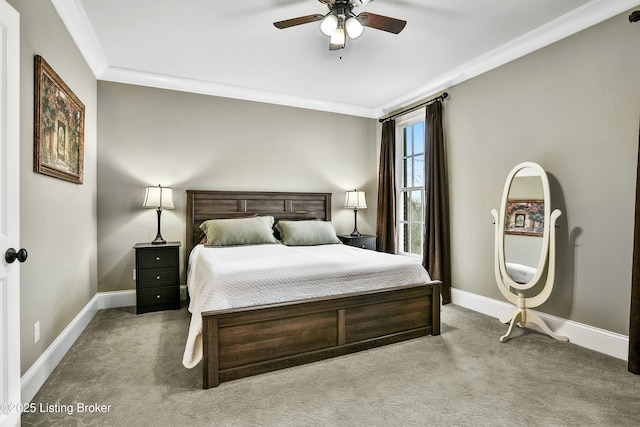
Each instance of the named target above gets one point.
<point>157,277</point>
<point>363,241</point>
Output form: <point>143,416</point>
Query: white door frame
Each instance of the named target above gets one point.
<point>10,408</point>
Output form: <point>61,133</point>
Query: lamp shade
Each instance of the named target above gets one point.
<point>355,200</point>
<point>158,197</point>
<point>354,27</point>
<point>338,37</point>
<point>329,24</point>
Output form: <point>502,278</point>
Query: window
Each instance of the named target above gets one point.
<point>411,183</point>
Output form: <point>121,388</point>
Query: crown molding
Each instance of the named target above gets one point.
<point>77,23</point>
<point>123,75</point>
<point>564,26</point>
<point>79,27</point>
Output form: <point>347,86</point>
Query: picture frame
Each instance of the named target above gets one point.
<point>58,136</point>
<point>524,217</point>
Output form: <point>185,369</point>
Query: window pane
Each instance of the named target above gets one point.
<point>408,172</point>
<point>405,206</point>
<point>408,138</point>
<point>416,206</point>
<point>404,172</point>
<point>418,171</point>
<point>418,138</point>
<point>406,246</point>
<point>416,239</point>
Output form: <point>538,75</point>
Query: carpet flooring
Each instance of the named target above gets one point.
<point>125,370</point>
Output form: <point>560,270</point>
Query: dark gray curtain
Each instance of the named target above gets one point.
<point>436,251</point>
<point>634,322</point>
<point>386,219</point>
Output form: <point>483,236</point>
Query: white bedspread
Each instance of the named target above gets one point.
<point>231,277</point>
<point>521,273</point>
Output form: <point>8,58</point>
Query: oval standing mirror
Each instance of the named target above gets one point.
<point>525,245</point>
<point>525,237</point>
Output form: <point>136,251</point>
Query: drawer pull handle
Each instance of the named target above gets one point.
<point>157,277</point>
<point>158,296</point>
<point>157,258</point>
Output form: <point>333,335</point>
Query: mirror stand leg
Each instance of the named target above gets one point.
<point>510,316</point>
<point>533,318</point>
<point>515,319</point>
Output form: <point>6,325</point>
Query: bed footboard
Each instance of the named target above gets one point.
<point>242,342</point>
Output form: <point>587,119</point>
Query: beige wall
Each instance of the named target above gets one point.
<point>187,141</point>
<point>572,107</point>
<point>58,218</point>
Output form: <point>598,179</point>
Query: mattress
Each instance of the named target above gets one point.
<point>242,276</point>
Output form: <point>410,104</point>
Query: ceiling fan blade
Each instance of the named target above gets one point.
<point>298,21</point>
<point>379,22</point>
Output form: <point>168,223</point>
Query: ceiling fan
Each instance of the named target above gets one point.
<point>341,22</point>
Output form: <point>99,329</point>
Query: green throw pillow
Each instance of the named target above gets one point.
<point>307,233</point>
<point>239,231</point>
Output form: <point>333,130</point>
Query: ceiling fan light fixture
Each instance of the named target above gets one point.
<point>338,37</point>
<point>354,27</point>
<point>341,22</point>
<point>329,25</point>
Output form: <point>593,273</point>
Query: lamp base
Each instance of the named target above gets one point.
<point>355,232</point>
<point>158,240</point>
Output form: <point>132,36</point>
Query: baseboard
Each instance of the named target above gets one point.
<point>38,373</point>
<point>117,299</point>
<point>593,338</point>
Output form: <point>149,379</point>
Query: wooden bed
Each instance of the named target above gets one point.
<point>247,341</point>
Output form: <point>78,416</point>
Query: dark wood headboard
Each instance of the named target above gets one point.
<point>204,205</point>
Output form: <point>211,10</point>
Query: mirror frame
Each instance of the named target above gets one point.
<point>544,251</point>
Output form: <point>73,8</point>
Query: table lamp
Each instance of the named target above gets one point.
<point>355,199</point>
<point>159,198</point>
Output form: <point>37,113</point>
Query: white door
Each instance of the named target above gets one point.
<point>9,215</point>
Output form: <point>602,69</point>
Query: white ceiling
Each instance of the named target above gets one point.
<point>231,48</point>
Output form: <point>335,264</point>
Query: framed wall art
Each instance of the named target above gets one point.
<point>525,217</point>
<point>58,148</point>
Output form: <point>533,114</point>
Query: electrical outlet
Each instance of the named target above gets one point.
<point>134,274</point>
<point>36,332</point>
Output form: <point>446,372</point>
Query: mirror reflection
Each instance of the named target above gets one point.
<point>524,225</point>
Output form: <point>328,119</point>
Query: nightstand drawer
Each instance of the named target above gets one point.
<point>168,295</point>
<point>364,241</point>
<point>161,257</point>
<point>152,277</point>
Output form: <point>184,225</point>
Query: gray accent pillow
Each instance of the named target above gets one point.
<point>307,233</point>
<point>239,231</point>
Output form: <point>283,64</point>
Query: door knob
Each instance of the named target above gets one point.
<point>11,255</point>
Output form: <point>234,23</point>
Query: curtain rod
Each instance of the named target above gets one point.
<point>415,107</point>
